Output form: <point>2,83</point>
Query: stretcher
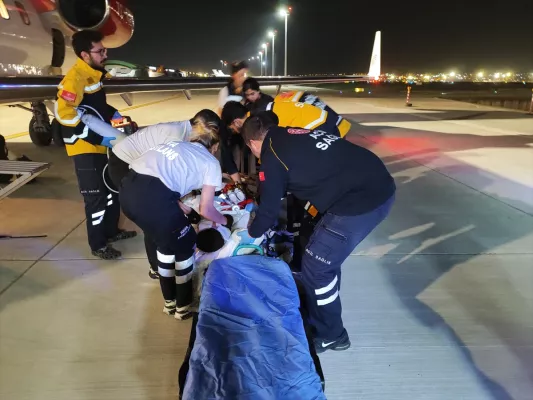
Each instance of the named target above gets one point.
<point>24,172</point>
<point>249,339</point>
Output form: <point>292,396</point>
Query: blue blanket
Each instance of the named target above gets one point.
<point>250,340</point>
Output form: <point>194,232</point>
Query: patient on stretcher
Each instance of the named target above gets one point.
<point>215,241</point>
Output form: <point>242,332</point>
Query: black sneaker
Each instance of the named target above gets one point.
<point>121,235</point>
<point>107,253</point>
<point>342,343</point>
<point>153,273</point>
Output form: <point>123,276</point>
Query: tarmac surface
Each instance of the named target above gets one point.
<point>438,300</point>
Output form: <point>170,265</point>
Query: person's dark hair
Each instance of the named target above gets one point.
<point>209,240</point>
<point>256,127</point>
<point>237,66</point>
<point>266,114</point>
<point>83,41</point>
<point>250,83</point>
<point>232,110</point>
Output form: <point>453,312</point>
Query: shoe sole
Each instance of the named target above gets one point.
<point>341,348</point>
<point>336,348</point>
<point>153,276</point>
<point>113,240</point>
<point>118,257</point>
<point>183,317</point>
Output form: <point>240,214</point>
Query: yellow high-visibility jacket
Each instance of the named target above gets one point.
<point>80,91</point>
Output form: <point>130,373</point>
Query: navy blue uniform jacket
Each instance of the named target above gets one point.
<point>330,173</point>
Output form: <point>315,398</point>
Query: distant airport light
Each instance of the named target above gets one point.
<point>480,74</point>
<point>497,75</point>
<point>508,74</point>
<point>271,34</point>
<point>452,74</point>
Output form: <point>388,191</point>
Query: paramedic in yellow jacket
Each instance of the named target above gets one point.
<point>81,91</point>
<point>305,110</point>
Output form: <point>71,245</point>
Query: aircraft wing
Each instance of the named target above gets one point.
<point>27,89</point>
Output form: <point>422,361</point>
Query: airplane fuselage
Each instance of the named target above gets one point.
<point>35,35</point>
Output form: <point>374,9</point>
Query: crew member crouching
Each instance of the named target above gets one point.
<point>131,148</point>
<point>150,195</point>
<point>347,185</point>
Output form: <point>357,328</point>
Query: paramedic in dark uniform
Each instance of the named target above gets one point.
<point>254,97</point>
<point>350,188</point>
<point>231,144</point>
<point>81,91</point>
<point>309,116</point>
<point>233,90</point>
<point>150,195</point>
<point>132,147</point>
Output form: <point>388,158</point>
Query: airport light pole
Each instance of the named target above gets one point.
<point>285,13</point>
<point>261,62</point>
<point>265,46</point>
<point>272,34</point>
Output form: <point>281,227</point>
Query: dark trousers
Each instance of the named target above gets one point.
<point>118,169</point>
<point>154,208</point>
<point>151,251</point>
<point>334,238</point>
<point>301,224</point>
<point>102,207</point>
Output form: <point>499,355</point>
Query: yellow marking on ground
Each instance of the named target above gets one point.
<point>151,103</point>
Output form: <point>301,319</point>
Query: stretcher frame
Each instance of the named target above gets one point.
<point>24,171</point>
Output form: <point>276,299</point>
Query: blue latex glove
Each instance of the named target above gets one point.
<point>116,115</point>
<point>107,141</point>
<point>245,237</point>
<point>251,207</point>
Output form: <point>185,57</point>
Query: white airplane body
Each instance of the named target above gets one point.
<point>35,35</point>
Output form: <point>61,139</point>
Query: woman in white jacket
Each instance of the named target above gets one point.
<point>134,146</point>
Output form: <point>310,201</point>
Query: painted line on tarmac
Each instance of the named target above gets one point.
<point>151,103</point>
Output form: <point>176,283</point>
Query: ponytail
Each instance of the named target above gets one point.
<point>205,126</point>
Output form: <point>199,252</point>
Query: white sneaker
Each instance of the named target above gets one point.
<point>183,313</point>
<point>170,307</point>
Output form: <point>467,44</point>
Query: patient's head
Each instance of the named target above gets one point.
<point>211,239</point>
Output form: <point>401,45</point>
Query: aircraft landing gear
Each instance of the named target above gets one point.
<point>57,136</point>
<point>40,129</point>
<point>42,132</point>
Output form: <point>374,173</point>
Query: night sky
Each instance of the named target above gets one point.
<point>334,36</point>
